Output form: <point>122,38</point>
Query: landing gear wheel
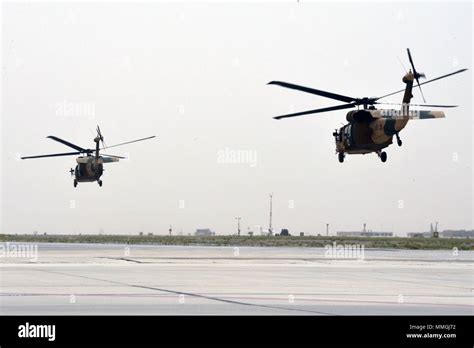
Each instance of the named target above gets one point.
<point>100,183</point>
<point>383,156</point>
<point>340,156</point>
<point>399,141</point>
<point>75,182</point>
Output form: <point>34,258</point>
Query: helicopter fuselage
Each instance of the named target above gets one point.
<point>87,170</point>
<point>367,132</point>
<point>355,138</point>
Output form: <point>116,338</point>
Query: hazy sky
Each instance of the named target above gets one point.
<point>195,75</point>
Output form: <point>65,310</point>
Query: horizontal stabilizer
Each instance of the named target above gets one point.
<point>108,159</point>
<point>426,114</point>
<point>100,160</point>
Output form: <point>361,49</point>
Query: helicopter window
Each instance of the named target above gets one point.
<point>348,134</point>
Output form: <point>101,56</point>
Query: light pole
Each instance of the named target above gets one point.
<point>270,229</point>
<point>238,225</point>
<point>327,229</point>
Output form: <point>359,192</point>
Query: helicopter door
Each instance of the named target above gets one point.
<point>81,169</point>
<point>361,134</point>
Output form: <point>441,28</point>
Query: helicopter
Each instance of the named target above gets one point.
<point>90,165</point>
<point>368,129</point>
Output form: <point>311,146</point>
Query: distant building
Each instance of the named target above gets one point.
<point>204,232</point>
<point>457,234</point>
<point>418,234</point>
<point>285,232</point>
<point>444,234</point>
<point>363,234</point>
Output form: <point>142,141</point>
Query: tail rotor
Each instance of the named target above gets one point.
<point>101,137</point>
<point>416,74</point>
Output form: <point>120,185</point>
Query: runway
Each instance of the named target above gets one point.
<point>81,279</point>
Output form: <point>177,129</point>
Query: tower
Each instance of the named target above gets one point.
<point>238,225</point>
<point>270,228</point>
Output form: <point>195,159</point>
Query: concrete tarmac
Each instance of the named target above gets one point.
<point>81,279</point>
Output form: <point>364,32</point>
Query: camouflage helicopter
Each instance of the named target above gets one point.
<point>371,130</point>
<point>89,167</point>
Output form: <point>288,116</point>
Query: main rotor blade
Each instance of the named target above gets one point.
<point>67,143</point>
<point>330,95</point>
<point>424,105</point>
<point>53,155</point>
<point>442,77</point>
<point>411,61</point>
<point>104,154</point>
<point>129,142</point>
<point>422,95</point>
<point>416,74</point>
<point>331,108</point>
<point>424,83</point>
<point>101,137</point>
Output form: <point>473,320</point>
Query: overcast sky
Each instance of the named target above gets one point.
<point>195,76</point>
